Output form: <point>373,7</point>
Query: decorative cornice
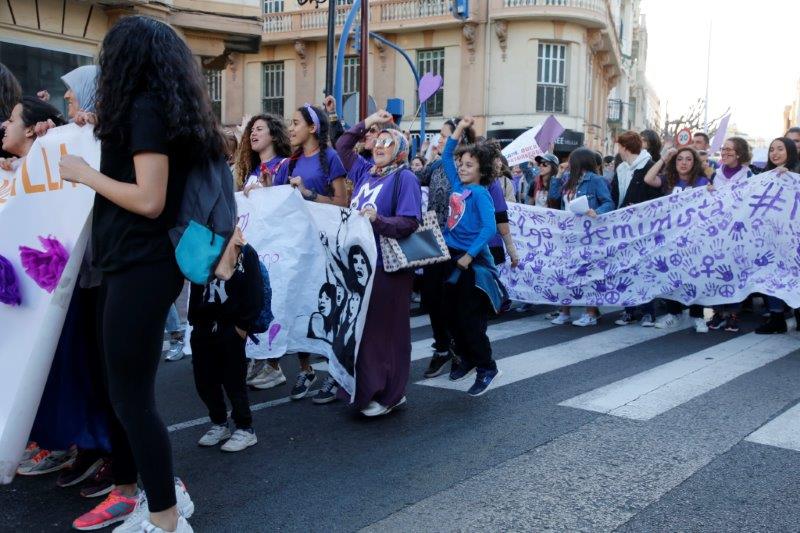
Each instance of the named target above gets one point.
<point>469,30</point>
<point>300,48</point>
<point>501,30</point>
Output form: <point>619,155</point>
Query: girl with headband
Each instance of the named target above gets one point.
<point>316,171</point>
<point>388,193</point>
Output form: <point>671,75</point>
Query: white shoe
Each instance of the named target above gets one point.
<point>240,440</point>
<point>141,513</point>
<point>215,435</point>
<point>561,319</point>
<point>668,321</point>
<point>700,325</point>
<point>647,321</point>
<point>183,527</point>
<point>268,378</point>
<point>374,409</point>
<point>585,320</point>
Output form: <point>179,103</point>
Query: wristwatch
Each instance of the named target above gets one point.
<point>333,117</point>
<point>311,197</point>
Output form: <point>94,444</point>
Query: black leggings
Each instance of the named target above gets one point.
<point>468,318</point>
<point>131,315</point>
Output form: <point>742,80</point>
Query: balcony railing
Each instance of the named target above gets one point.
<point>595,5</point>
<point>383,14</point>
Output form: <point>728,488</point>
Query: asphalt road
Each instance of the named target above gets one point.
<point>593,429</point>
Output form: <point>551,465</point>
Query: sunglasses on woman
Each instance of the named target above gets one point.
<point>384,142</point>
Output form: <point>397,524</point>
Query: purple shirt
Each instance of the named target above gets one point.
<point>500,206</point>
<point>378,192</point>
<point>272,164</point>
<point>310,170</point>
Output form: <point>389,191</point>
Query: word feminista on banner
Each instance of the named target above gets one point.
<point>695,247</point>
<point>321,260</point>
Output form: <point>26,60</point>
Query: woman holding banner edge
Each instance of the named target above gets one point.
<point>154,121</point>
<point>389,195</point>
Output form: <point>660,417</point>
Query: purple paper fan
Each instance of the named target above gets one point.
<point>45,267</point>
<point>9,284</point>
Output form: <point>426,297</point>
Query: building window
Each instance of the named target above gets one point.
<point>214,85</point>
<point>351,75</point>
<point>272,88</point>
<point>273,6</point>
<point>432,61</point>
<point>551,91</point>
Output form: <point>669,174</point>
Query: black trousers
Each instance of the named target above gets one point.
<point>676,308</point>
<point>219,361</point>
<point>433,300</point>
<point>468,318</point>
<point>132,310</point>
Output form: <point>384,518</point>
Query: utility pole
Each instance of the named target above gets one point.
<point>329,47</point>
<point>363,93</point>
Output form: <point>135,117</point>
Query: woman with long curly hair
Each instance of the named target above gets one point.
<point>10,95</point>
<point>265,145</point>
<point>154,121</point>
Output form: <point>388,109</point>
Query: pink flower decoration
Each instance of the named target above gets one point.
<point>9,284</point>
<point>45,268</point>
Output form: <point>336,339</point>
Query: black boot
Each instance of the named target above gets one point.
<point>774,324</point>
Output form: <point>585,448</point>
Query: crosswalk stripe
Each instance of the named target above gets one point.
<point>420,321</point>
<point>781,432</point>
<point>543,360</point>
<point>421,349</point>
<point>656,391</point>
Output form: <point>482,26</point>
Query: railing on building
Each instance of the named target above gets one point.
<point>615,111</point>
<point>381,11</point>
<point>595,5</point>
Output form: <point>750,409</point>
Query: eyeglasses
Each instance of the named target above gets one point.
<point>385,142</point>
<point>727,150</point>
<point>373,130</point>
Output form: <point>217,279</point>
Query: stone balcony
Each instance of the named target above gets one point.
<point>595,15</point>
<point>384,15</point>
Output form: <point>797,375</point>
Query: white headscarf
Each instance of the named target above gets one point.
<point>82,81</point>
<point>625,173</point>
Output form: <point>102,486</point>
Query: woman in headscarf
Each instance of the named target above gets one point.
<point>388,193</point>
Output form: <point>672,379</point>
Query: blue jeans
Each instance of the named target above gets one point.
<point>173,324</point>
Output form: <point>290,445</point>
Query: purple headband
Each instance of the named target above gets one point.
<point>313,114</point>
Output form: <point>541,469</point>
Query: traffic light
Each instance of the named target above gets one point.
<point>460,9</point>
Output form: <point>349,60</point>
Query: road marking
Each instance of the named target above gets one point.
<point>205,420</point>
<point>503,330</point>
<point>543,360</point>
<point>420,321</point>
<point>656,391</point>
<point>781,432</point>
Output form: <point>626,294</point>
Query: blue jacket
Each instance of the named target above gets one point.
<point>487,280</point>
<point>476,224</point>
<point>592,186</point>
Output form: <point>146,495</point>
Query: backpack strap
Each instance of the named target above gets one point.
<point>395,193</point>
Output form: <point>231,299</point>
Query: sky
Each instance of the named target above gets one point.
<point>755,58</point>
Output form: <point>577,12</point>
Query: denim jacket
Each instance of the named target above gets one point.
<point>591,185</point>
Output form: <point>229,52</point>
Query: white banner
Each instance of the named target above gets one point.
<point>35,202</point>
<point>696,247</point>
<point>523,148</point>
<point>321,260</point>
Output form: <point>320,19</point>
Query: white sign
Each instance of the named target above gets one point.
<point>35,202</point>
<point>321,261</point>
<point>695,247</point>
<point>523,148</point>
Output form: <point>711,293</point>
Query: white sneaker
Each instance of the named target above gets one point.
<point>254,366</point>
<point>647,321</point>
<point>141,513</point>
<point>374,409</point>
<point>561,319</point>
<point>700,325</point>
<point>585,320</point>
<point>268,378</point>
<point>668,321</point>
<point>215,435</point>
<point>183,527</point>
<point>240,440</point>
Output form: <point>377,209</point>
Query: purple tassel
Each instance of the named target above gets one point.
<point>45,268</point>
<point>9,284</point>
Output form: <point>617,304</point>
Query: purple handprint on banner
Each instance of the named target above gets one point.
<point>586,253</point>
<point>549,248</point>
<point>537,266</point>
<point>724,273</point>
<point>583,270</point>
<point>690,291</point>
<point>675,279</point>
<point>547,293</point>
<point>641,246</point>
<point>577,293</point>
<point>711,289</point>
<point>600,285</point>
<point>737,231</point>
<point>718,246</point>
<point>624,283</point>
<point>765,259</point>
<point>566,224</point>
<point>683,241</point>
<point>660,239</point>
<point>660,264</point>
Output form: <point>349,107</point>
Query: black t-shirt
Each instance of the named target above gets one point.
<point>121,238</point>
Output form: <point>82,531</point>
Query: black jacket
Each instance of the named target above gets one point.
<point>638,190</point>
<point>236,302</point>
